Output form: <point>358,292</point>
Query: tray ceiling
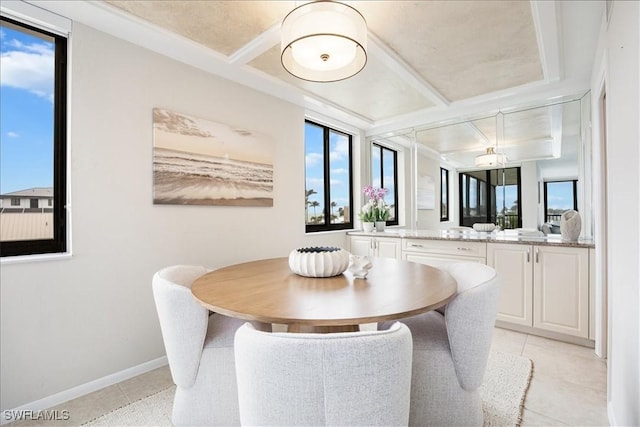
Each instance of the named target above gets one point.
<point>457,50</point>
<point>427,60</point>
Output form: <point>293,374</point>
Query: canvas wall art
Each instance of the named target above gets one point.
<point>426,192</point>
<point>202,162</point>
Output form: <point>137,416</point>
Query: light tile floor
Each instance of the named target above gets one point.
<point>568,386</point>
<point>569,382</point>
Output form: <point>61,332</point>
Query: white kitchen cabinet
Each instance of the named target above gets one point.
<point>561,290</point>
<point>513,263</point>
<point>544,287</point>
<point>438,253</point>
<point>384,247</point>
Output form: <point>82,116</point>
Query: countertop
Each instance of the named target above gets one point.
<point>506,236</point>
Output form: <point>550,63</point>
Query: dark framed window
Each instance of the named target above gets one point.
<point>33,117</point>
<point>444,194</point>
<point>15,201</point>
<point>491,196</point>
<point>559,196</point>
<point>384,174</point>
<point>328,179</point>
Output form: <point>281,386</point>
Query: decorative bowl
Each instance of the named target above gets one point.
<point>326,261</point>
<point>479,226</point>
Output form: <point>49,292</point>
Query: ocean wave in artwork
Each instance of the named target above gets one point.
<point>187,178</point>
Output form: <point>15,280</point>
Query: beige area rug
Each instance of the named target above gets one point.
<point>503,391</point>
<point>505,386</point>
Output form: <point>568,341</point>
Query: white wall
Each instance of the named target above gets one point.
<point>429,219</point>
<point>621,55</point>
<point>67,322</point>
<point>529,194</point>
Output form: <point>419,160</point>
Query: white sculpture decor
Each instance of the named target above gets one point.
<point>360,266</point>
<point>319,261</point>
<point>570,225</point>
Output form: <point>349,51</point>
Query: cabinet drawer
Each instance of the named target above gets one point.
<point>469,249</point>
<point>438,261</point>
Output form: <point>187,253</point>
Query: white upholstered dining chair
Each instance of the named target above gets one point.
<point>199,349</point>
<point>451,348</point>
<point>336,379</point>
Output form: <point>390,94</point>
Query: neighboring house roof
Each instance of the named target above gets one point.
<point>31,192</point>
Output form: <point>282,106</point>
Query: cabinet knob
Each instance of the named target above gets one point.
<point>528,255</point>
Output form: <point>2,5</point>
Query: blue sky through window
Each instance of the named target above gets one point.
<point>509,197</point>
<point>314,162</point>
<point>388,169</point>
<point>338,170</point>
<point>560,195</point>
<point>26,110</point>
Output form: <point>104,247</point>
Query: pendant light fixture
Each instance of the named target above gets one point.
<point>490,158</point>
<point>324,41</point>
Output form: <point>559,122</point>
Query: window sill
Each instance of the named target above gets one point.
<point>22,259</point>
<point>345,231</point>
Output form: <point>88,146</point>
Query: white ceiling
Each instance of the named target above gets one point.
<point>428,61</point>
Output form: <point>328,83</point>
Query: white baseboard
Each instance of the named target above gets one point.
<point>81,390</point>
<point>612,418</point>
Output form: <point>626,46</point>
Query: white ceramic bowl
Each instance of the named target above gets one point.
<point>478,226</point>
<point>319,261</point>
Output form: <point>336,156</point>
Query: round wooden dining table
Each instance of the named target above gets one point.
<point>268,292</point>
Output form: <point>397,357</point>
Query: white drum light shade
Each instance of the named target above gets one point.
<point>324,41</point>
<point>490,158</point>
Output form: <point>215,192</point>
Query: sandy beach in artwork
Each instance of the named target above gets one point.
<point>192,165</point>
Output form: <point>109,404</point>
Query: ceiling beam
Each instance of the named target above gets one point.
<point>547,20</point>
<point>474,129</point>
<point>396,64</point>
<point>257,46</point>
<point>481,105</point>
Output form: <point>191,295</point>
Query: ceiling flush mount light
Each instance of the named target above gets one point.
<point>324,41</point>
<point>490,158</point>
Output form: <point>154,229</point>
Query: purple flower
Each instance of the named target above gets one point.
<point>374,193</point>
<point>369,191</point>
<point>375,209</point>
<point>380,193</point>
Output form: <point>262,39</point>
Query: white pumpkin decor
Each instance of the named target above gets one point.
<point>319,261</point>
<point>570,225</point>
<point>484,227</point>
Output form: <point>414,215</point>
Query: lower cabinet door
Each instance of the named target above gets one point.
<point>561,290</point>
<point>360,245</point>
<point>387,247</point>
<point>513,264</point>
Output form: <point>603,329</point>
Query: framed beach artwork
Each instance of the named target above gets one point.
<point>202,162</point>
